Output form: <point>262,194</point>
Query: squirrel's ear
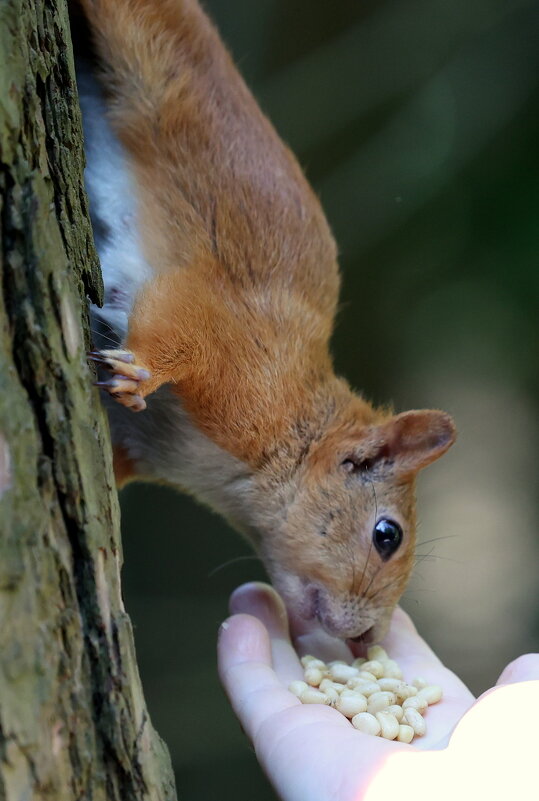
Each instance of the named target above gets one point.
<point>404,443</point>
<point>413,440</point>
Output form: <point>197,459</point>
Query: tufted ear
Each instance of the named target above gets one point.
<point>407,441</point>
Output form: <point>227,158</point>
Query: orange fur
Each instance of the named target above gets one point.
<point>124,467</point>
<point>240,309</point>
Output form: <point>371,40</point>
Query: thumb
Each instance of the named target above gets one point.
<point>524,668</point>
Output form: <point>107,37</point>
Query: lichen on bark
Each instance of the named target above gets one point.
<point>73,721</point>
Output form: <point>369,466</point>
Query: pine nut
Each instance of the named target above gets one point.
<point>391,685</point>
<point>432,693</point>
<point>379,701</point>
<point>389,725</point>
<point>332,694</point>
<point>413,718</point>
<point>365,687</point>
<point>366,675</point>
<point>358,662</point>
<point>366,723</point>
<point>374,667</point>
<point>415,702</point>
<point>312,661</point>
<point>405,691</point>
<point>406,733</point>
<point>396,710</point>
<point>377,652</point>
<point>312,696</point>
<point>342,673</point>
<point>419,682</point>
<point>347,692</point>
<point>326,684</point>
<point>313,676</point>
<point>297,687</point>
<point>350,705</point>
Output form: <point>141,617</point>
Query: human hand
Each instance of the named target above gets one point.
<point>312,753</point>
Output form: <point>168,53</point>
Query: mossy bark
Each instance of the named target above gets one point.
<point>73,722</point>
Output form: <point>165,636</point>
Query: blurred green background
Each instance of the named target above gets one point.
<point>416,122</point>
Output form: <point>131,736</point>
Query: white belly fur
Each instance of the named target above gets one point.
<point>113,208</point>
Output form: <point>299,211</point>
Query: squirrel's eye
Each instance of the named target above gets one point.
<point>353,465</point>
<point>387,536</point>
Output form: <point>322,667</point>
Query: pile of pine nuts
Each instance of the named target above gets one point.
<point>370,693</point>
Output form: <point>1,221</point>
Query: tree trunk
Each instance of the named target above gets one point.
<point>72,715</point>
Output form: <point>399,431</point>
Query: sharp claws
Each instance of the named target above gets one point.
<point>125,379</point>
<point>128,358</point>
<point>99,356</point>
<point>94,357</point>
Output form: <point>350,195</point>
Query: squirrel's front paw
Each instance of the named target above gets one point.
<point>124,386</point>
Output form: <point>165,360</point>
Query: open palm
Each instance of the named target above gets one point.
<point>311,751</point>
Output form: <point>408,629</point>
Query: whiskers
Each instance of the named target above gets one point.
<point>422,557</point>
<point>437,539</point>
<point>381,589</point>
<point>233,561</point>
<point>99,327</point>
<point>429,555</point>
<point>370,546</point>
<point>394,582</point>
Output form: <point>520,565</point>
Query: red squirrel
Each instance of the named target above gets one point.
<point>221,286</point>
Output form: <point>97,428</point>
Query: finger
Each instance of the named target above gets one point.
<point>404,644</point>
<point>261,601</point>
<point>524,668</point>
<point>303,748</point>
<point>244,662</point>
<point>415,657</point>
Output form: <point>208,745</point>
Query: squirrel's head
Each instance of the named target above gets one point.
<point>338,541</point>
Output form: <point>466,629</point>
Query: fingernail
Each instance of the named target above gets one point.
<point>240,602</point>
<point>222,628</point>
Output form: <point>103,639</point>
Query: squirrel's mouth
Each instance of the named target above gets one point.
<point>310,609</point>
<point>318,606</point>
<point>310,606</point>
<point>366,638</point>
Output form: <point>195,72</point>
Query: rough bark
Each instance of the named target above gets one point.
<point>73,722</point>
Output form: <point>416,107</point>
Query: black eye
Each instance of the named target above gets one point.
<point>387,536</point>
